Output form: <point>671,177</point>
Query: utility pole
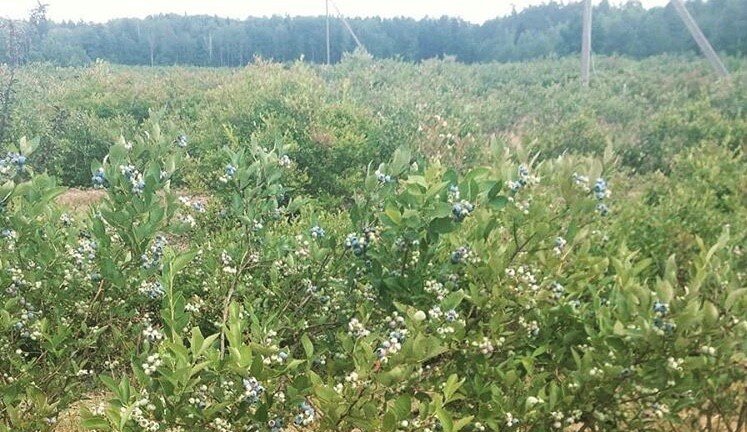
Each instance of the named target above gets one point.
<point>326,4</point>
<point>347,25</point>
<point>700,39</point>
<point>586,44</point>
<point>8,92</point>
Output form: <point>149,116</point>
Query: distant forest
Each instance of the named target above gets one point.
<point>551,29</point>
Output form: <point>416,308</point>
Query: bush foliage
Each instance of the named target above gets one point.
<point>301,249</point>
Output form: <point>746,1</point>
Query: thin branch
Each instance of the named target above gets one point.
<point>227,302</point>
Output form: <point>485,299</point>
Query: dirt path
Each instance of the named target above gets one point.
<point>80,199</point>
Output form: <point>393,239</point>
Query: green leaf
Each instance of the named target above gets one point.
<point>389,422</point>
<point>441,225</point>
<point>393,213</point>
<point>196,341</point>
<point>308,347</point>
<point>117,154</point>
<point>451,387</point>
<point>441,210</point>
<point>665,291</point>
<point>734,297</point>
<point>618,328</point>
<point>326,394</point>
<point>181,261</point>
<point>402,407</point>
<point>97,423</point>
<point>462,422</point>
<point>495,190</point>
<point>451,177</point>
<point>539,351</point>
<point>453,300</point>
<point>417,180</point>
<point>27,147</point>
<point>554,394</point>
<point>446,422</point>
<point>474,190</point>
<point>109,383</point>
<point>498,202</point>
<point>6,189</point>
<point>640,266</point>
<point>710,313</point>
<point>400,161</point>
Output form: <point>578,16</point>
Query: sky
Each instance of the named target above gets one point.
<point>103,10</point>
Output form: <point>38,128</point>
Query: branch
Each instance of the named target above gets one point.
<point>227,302</point>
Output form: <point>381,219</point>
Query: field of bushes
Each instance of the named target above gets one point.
<point>374,246</point>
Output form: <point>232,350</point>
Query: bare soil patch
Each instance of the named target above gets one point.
<point>80,199</point>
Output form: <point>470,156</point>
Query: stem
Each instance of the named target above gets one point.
<point>350,407</point>
<point>227,302</point>
<point>520,247</point>
<point>721,416</point>
<point>742,416</point>
<point>93,301</point>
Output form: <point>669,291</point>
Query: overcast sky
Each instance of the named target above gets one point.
<point>103,10</point>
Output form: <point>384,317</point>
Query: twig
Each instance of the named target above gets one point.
<point>742,416</point>
<point>350,407</point>
<point>721,416</point>
<point>93,301</point>
<point>227,302</point>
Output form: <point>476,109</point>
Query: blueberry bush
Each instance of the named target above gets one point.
<point>452,282</point>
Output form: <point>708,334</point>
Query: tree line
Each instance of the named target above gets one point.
<point>551,29</point>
